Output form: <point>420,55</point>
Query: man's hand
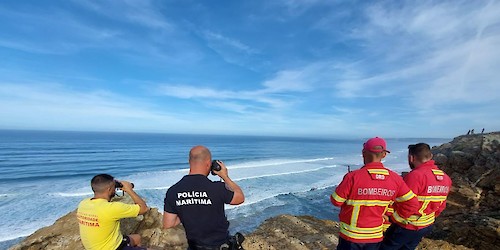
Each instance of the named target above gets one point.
<point>129,189</point>
<point>238,197</point>
<point>127,186</point>
<point>222,173</point>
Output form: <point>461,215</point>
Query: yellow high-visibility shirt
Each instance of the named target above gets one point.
<point>99,222</point>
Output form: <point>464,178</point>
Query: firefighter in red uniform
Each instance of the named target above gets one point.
<point>431,185</point>
<point>364,196</point>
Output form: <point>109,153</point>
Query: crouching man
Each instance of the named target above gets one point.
<point>99,218</point>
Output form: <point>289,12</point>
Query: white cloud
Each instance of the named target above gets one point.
<point>216,38</point>
<point>437,54</point>
<point>55,106</point>
<point>58,33</point>
<point>143,12</point>
<point>278,92</point>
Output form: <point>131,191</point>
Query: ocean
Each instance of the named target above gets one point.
<point>44,175</point>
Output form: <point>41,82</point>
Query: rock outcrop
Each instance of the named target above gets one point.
<point>471,220</point>
<point>64,233</point>
<point>472,216</point>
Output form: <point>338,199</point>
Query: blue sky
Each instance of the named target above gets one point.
<point>283,67</point>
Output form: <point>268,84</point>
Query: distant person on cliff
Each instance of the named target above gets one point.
<point>364,196</point>
<point>198,202</point>
<point>431,185</point>
<point>99,218</point>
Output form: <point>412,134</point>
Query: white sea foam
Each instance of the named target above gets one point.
<point>263,181</point>
<point>72,194</point>
<point>275,162</point>
<point>284,173</point>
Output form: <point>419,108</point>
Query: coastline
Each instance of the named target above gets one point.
<point>472,162</point>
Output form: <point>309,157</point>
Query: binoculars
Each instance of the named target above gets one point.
<point>214,167</point>
<point>120,185</point>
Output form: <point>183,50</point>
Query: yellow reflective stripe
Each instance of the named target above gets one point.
<point>337,198</point>
<point>361,229</point>
<point>437,172</point>
<point>378,171</point>
<point>423,220</point>
<point>416,220</point>
<point>361,236</point>
<point>423,217</point>
<point>355,214</point>
<point>368,203</point>
<point>424,206</point>
<point>431,198</point>
<point>407,196</point>
<point>398,218</point>
<point>390,210</point>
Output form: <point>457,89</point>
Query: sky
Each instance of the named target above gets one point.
<point>276,68</point>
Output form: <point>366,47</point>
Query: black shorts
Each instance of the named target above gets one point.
<point>125,245</point>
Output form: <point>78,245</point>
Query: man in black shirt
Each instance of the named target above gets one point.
<point>198,202</point>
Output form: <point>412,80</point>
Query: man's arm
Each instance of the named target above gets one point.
<point>406,203</point>
<point>127,187</point>
<point>238,196</point>
<point>170,220</point>
<point>342,191</point>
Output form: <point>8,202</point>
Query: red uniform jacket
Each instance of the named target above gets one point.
<point>431,186</point>
<point>364,196</point>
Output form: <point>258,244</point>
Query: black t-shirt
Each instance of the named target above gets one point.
<point>199,203</point>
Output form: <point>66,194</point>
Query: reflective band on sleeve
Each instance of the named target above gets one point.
<point>419,221</point>
<point>337,198</point>
<point>407,196</point>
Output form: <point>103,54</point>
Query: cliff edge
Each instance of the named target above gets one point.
<point>472,216</point>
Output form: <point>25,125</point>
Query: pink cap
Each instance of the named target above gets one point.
<point>375,145</point>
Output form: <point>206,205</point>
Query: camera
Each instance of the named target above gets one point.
<point>120,185</point>
<point>214,167</point>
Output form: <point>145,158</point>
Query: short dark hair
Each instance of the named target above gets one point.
<point>101,182</point>
<point>422,151</point>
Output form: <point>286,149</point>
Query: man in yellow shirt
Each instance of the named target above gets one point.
<point>99,218</point>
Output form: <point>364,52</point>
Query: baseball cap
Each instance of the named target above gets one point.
<point>375,145</point>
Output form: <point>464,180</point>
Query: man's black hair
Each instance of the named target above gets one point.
<point>422,151</point>
<point>101,182</point>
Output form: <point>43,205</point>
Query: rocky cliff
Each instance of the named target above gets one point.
<point>471,220</point>
<point>472,216</point>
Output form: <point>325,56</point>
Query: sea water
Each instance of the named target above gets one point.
<point>44,175</point>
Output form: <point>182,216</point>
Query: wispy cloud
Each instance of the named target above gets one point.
<point>144,13</point>
<point>278,92</point>
<point>299,66</point>
<point>56,106</point>
<point>216,38</point>
<point>437,54</point>
<point>36,32</point>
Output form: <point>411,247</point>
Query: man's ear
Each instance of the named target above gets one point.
<point>411,158</point>
<point>384,154</point>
